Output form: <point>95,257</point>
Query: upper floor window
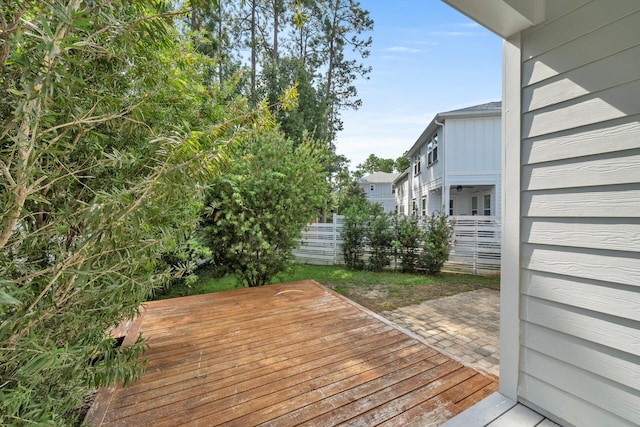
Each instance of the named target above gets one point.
<point>416,165</point>
<point>372,187</point>
<point>432,150</point>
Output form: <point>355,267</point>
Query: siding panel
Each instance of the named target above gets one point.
<point>610,136</point>
<point>596,390</point>
<point>605,41</point>
<point>605,330</point>
<point>584,80</point>
<point>606,169</point>
<point>602,233</point>
<point>616,267</point>
<point>564,407</point>
<point>603,297</point>
<point>609,104</point>
<point>618,366</point>
<point>572,26</point>
<point>583,202</point>
<point>579,240</point>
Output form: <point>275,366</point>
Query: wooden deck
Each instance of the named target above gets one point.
<point>287,354</point>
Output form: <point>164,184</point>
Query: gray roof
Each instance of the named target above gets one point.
<point>489,106</point>
<point>379,178</point>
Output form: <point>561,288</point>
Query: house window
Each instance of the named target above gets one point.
<point>424,206</point>
<point>474,205</point>
<point>416,165</point>
<point>451,207</point>
<point>372,187</point>
<point>487,205</point>
<point>432,151</point>
<point>414,207</point>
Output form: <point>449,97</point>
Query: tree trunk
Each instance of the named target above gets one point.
<point>276,17</point>
<point>253,50</point>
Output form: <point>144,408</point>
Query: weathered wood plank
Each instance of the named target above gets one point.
<point>281,355</point>
<point>428,402</point>
<point>440,408</point>
<point>349,404</point>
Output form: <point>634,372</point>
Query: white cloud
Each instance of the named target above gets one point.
<point>453,33</point>
<point>401,49</point>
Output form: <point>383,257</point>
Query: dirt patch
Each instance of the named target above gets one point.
<point>386,297</point>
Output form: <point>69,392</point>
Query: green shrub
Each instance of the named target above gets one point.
<point>354,233</point>
<point>437,243</point>
<point>379,236</point>
<point>408,236</point>
<point>257,211</point>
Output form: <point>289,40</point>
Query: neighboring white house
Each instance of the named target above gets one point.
<point>570,287</point>
<point>378,188</point>
<point>402,193</point>
<point>455,165</point>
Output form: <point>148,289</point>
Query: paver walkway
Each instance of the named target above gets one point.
<point>463,326</point>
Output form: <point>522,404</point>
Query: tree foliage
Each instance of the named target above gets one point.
<point>108,139</point>
<point>258,209</point>
<point>374,164</point>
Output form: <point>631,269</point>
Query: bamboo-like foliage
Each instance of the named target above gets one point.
<point>107,142</point>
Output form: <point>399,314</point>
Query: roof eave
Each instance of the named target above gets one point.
<point>503,17</point>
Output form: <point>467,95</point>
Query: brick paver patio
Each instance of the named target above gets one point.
<point>463,326</point>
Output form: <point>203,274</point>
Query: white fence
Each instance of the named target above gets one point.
<point>476,244</point>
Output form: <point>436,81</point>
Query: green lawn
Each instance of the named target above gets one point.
<point>376,291</point>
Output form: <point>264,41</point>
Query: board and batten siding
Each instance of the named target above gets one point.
<point>579,355</point>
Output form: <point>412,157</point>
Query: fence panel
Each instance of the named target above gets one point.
<point>476,247</point>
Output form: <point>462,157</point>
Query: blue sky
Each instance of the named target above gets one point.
<point>426,58</point>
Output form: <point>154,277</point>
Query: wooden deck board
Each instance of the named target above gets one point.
<point>287,354</point>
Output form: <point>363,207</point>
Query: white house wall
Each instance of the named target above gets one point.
<point>473,157</point>
<point>579,358</point>
<point>381,194</point>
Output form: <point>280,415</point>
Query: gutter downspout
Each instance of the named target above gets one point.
<point>445,200</point>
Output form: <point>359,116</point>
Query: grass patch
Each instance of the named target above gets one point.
<point>377,291</point>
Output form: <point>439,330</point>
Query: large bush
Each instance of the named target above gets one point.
<point>257,210</point>
<point>107,141</point>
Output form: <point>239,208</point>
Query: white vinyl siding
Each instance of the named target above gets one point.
<point>579,359</point>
